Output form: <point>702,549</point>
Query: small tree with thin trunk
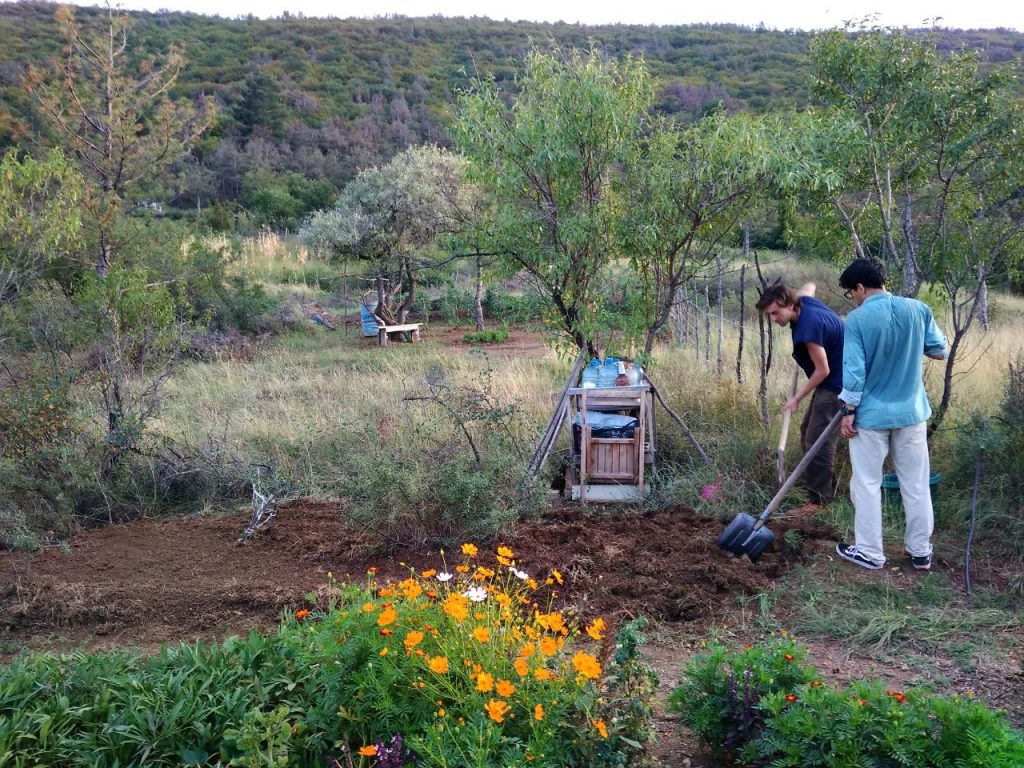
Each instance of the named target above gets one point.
<point>914,159</point>
<point>116,120</point>
<point>548,154</point>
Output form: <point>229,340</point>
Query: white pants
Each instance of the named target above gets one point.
<point>909,448</point>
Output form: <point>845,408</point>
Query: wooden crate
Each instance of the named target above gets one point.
<point>610,469</point>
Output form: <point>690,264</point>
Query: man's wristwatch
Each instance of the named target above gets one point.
<point>847,410</point>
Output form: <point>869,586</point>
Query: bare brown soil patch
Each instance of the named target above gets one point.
<point>155,581</point>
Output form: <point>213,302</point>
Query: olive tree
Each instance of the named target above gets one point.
<point>388,216</point>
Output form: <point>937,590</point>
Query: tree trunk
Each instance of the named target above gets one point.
<point>478,307</point>
<point>982,298</point>
<point>410,290</point>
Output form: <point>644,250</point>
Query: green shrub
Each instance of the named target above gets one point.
<point>512,308</point>
<point>720,698</point>
<point>452,470</point>
<point>495,336</point>
<point>468,666</point>
<point>764,706</point>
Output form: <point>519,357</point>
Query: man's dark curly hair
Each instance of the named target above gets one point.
<point>867,272</point>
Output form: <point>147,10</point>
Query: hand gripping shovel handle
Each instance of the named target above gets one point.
<point>796,473</point>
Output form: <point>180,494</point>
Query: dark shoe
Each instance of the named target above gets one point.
<point>851,553</point>
<point>922,562</point>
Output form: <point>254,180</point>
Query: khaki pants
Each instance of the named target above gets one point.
<point>819,477</point>
<point>909,448</point>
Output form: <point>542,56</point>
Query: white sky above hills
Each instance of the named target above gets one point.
<point>794,14</point>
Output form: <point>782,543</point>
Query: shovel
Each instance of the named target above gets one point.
<point>787,416</point>
<point>747,535</point>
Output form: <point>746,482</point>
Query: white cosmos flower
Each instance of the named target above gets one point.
<point>443,576</point>
<point>476,594</point>
<point>519,574</point>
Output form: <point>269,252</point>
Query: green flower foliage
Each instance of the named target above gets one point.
<point>763,706</point>
<point>472,667</point>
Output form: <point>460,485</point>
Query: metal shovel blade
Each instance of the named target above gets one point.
<point>741,538</point>
<point>736,533</point>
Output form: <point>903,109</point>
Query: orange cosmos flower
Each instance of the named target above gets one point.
<point>596,629</point>
<point>462,568</point>
<point>300,615</point>
<point>816,683</point>
<point>505,552</point>
<point>438,665</point>
<point>412,639</point>
<point>505,688</point>
<point>372,570</point>
<point>368,751</point>
<point>484,682</point>
<point>548,646</point>
<point>456,606</point>
<point>428,573</point>
<point>528,650</point>
<point>469,550</point>
<point>538,712</point>
<point>496,710</point>
<point>481,634</point>
<point>411,588</point>
<point>788,656</point>
<point>386,632</point>
<point>587,665</point>
<point>557,575</point>
<point>521,667</point>
<point>369,607</point>
<point>383,651</point>
<point>387,616</point>
<point>601,728</point>
<point>542,673</point>
<point>790,697</point>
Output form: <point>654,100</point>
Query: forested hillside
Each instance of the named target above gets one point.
<point>304,103</point>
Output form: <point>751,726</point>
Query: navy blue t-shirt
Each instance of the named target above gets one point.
<point>819,325</point>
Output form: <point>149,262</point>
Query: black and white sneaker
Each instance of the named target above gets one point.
<point>920,562</point>
<point>851,553</point>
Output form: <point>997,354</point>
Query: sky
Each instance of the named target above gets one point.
<point>795,14</point>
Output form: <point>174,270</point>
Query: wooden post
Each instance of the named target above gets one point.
<point>721,315</point>
<point>739,350</point>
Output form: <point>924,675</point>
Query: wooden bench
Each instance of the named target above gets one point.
<point>385,332</point>
<point>385,326</point>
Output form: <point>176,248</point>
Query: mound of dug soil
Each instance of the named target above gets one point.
<point>161,581</point>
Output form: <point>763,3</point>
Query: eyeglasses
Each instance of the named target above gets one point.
<point>848,295</point>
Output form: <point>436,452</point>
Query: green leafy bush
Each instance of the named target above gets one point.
<point>470,665</point>
<point>764,706</point>
<point>455,469</point>
<point>494,336</point>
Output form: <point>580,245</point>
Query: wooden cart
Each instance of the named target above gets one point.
<point>609,469</point>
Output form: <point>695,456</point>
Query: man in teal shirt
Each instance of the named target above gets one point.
<point>885,411</point>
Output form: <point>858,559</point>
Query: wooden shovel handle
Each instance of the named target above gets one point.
<point>787,417</point>
<point>799,469</point>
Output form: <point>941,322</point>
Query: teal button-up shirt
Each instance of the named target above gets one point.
<point>886,340</point>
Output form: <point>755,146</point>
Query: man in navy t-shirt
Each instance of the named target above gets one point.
<point>818,350</point>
